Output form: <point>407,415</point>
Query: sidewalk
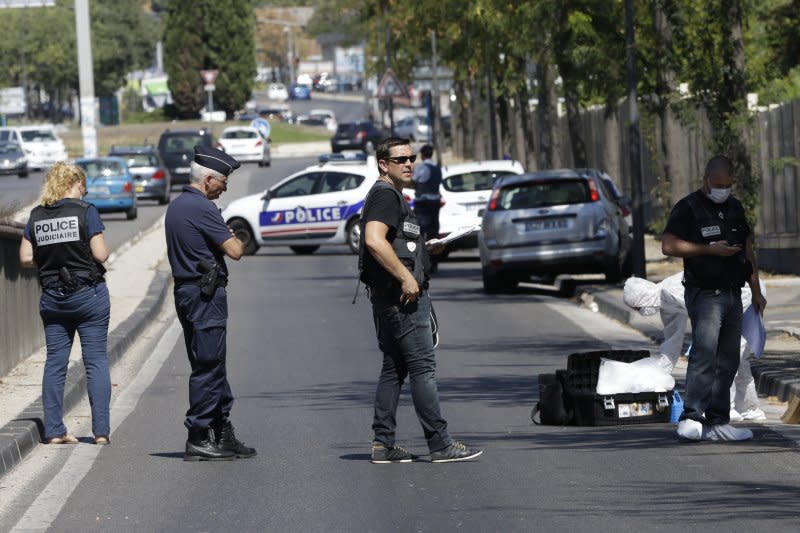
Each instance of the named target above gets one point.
<point>777,372</point>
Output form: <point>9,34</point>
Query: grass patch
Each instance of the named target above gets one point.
<point>148,133</point>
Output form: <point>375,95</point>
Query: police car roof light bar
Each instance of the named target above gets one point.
<point>359,157</point>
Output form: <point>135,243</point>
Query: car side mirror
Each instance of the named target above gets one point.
<point>267,195</point>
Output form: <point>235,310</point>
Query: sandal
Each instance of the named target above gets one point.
<point>102,440</point>
<point>66,438</point>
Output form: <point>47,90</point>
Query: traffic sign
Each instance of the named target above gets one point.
<point>390,87</point>
<point>12,101</point>
<point>209,76</point>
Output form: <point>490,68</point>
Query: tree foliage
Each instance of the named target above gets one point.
<point>206,34</point>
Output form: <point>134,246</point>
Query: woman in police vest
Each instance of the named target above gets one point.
<point>64,240</point>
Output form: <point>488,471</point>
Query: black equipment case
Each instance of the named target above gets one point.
<point>592,409</point>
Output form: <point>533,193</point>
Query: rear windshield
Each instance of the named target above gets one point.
<point>141,160</point>
<point>347,129</point>
<point>96,169</point>
<point>37,135</point>
<point>239,134</point>
<point>8,148</point>
<point>473,181</point>
<point>544,194</point>
<point>184,143</point>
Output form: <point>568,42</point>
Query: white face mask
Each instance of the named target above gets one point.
<point>718,196</point>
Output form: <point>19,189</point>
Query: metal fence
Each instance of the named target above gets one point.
<point>21,331</point>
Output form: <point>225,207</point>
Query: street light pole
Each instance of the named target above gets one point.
<point>290,54</point>
<point>86,78</point>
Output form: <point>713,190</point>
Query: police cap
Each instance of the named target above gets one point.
<point>214,159</point>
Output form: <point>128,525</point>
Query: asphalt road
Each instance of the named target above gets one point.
<point>16,193</point>
<point>303,363</point>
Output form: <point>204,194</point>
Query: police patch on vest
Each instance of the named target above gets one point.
<point>55,230</point>
<point>411,229</point>
<point>411,246</point>
<point>710,231</point>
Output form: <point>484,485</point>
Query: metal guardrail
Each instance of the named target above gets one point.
<point>21,331</point>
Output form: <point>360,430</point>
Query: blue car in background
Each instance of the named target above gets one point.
<point>300,92</point>
<point>109,185</point>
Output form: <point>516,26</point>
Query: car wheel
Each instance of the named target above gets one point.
<point>164,200</point>
<point>131,213</point>
<point>304,250</point>
<point>23,174</point>
<point>268,163</point>
<point>494,284</point>
<point>353,234</point>
<point>243,232</point>
<point>260,163</point>
<point>613,271</point>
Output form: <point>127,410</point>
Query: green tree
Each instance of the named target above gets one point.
<point>206,34</point>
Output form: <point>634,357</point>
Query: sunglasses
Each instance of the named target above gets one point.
<point>402,159</point>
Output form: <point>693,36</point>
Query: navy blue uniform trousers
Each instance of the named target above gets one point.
<point>204,321</point>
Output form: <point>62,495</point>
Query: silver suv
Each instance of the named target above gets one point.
<point>549,223</point>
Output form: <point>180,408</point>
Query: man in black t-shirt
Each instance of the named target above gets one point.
<point>394,257</point>
<point>708,229</point>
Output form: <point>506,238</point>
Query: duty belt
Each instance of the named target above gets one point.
<point>221,282</point>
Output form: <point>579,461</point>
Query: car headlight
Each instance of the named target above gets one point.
<point>22,160</point>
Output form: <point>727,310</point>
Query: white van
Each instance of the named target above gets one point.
<point>40,143</point>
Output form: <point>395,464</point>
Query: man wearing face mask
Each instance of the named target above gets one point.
<point>708,229</point>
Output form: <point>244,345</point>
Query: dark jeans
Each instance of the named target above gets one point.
<point>204,322</point>
<point>716,317</point>
<point>86,312</point>
<point>404,337</point>
<point>427,213</point>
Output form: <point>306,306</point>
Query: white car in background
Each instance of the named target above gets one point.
<point>317,206</point>
<point>465,191</point>
<point>40,144</point>
<point>245,143</point>
<point>278,92</point>
<point>327,116</point>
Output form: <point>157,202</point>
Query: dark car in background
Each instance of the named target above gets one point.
<point>13,160</point>
<point>176,148</point>
<point>151,179</point>
<point>109,185</point>
<point>363,135</point>
<point>300,92</point>
<point>549,223</point>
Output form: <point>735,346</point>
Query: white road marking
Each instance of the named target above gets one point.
<point>44,510</point>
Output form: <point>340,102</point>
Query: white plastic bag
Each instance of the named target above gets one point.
<point>642,295</point>
<point>644,375</point>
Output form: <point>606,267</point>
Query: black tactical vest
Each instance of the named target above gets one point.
<point>431,186</point>
<point>408,243</point>
<point>728,223</point>
<point>59,238</point>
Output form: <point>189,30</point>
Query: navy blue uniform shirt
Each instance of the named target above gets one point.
<point>195,231</point>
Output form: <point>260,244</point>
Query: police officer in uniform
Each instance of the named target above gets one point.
<point>197,242</point>
<point>427,199</point>
<point>708,229</point>
<point>64,239</point>
<point>393,259</point>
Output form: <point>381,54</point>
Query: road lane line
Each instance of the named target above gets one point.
<point>44,510</point>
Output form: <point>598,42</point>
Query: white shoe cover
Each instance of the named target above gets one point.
<point>735,416</point>
<point>754,414</point>
<point>726,432</point>
<point>690,429</point>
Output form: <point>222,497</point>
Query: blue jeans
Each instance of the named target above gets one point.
<point>405,338</point>
<point>204,321</point>
<point>716,317</point>
<point>86,312</point>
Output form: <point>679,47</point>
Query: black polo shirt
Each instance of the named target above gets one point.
<point>195,232</point>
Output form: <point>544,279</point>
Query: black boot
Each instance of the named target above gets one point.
<point>226,440</point>
<point>202,446</point>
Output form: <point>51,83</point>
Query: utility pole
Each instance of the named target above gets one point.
<point>290,55</point>
<point>86,78</point>
<point>637,249</point>
<point>437,120</point>
<point>492,121</point>
<point>388,66</point>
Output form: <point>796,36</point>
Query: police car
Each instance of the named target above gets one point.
<point>316,206</point>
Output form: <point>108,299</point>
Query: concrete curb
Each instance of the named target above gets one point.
<point>21,435</point>
<point>773,377</point>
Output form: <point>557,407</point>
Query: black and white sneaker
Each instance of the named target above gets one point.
<point>456,451</point>
<point>396,454</point>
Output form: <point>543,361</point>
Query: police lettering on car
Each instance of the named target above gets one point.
<point>198,241</point>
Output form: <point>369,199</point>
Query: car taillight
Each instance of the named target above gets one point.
<point>493,200</point>
<point>361,135</point>
<point>219,146</point>
<point>259,143</point>
<point>159,174</point>
<point>593,191</point>
<point>128,187</point>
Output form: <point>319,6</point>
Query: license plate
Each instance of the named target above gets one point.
<point>546,224</point>
<point>182,170</point>
<point>99,190</point>
<point>474,208</point>
<point>140,188</point>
